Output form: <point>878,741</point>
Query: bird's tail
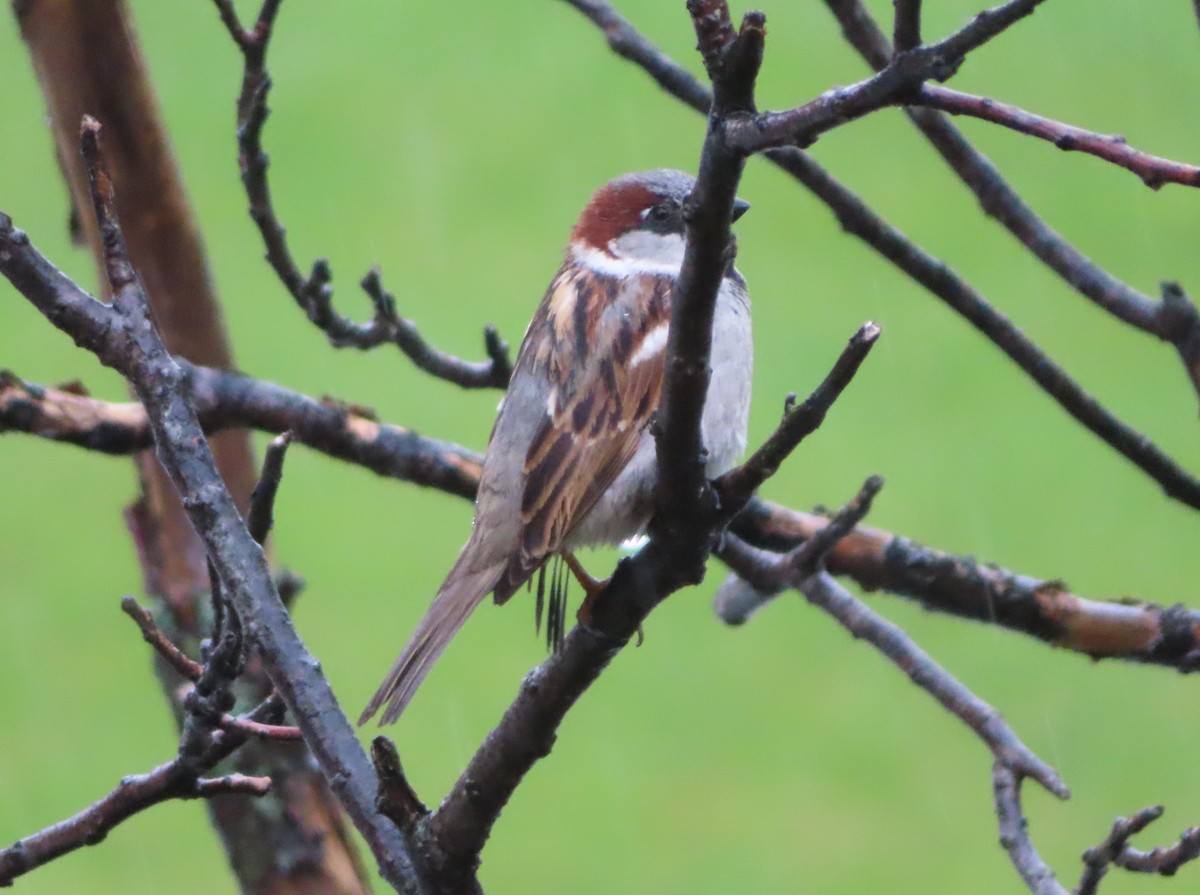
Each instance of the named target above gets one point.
<point>464,589</point>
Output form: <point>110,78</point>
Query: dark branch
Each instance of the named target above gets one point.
<point>969,588</point>
<point>859,220</point>
<point>225,400</point>
<point>907,29</point>
<point>261,517</point>
<point>133,794</point>
<point>122,336</point>
<point>1153,170</point>
<point>877,560</point>
<point>892,85</point>
<point>802,569</point>
<point>1116,851</point>
<point>687,518</point>
<point>1178,324</point>
<point>314,292</point>
<point>737,486</point>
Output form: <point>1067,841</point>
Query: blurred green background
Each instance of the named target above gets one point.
<point>453,145</point>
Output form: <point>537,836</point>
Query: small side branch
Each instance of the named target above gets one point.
<point>1151,169</point>
<point>132,795</point>
<point>802,569</point>
<point>1115,851</point>
<point>737,486</point>
<point>314,292</point>
<point>1046,609</point>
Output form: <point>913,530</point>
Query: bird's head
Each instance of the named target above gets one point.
<point>636,220</point>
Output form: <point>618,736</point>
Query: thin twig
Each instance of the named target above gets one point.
<point>162,644</point>
<point>1014,832</point>
<point>314,292</point>
<point>260,518</point>
<point>736,486</point>
<point>1153,170</point>
<point>802,569</point>
<point>133,794</point>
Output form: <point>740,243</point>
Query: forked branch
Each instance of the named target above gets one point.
<point>314,292</point>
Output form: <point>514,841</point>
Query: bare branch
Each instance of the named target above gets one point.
<point>314,292</point>
<point>687,517</point>
<point>1153,170</point>
<point>802,569</point>
<point>251,728</point>
<point>857,218</point>
<point>260,518</point>
<point>1129,629</point>
<point>1014,833</point>
<point>1174,320</point>
<point>132,794</point>
<point>122,336</point>
<point>1115,850</point>
<point>162,644</point>
<point>737,486</point>
<point>907,27</point>
<point>892,85</point>
<point>225,400</point>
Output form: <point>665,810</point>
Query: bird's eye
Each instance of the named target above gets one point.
<point>660,213</point>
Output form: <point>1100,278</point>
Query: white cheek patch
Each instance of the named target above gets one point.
<point>646,246</point>
<point>652,345</point>
<point>619,265</point>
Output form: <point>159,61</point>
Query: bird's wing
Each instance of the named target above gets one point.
<point>587,380</point>
<point>603,361</point>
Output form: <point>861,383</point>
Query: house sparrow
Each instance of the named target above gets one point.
<point>571,461</point>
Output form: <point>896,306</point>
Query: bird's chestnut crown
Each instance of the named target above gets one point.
<point>639,217</point>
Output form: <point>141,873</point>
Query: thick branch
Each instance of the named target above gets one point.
<point>225,400</point>
<point>122,336</point>
<point>966,587</point>
<point>906,33</point>
<point>686,518</point>
<point>1043,608</point>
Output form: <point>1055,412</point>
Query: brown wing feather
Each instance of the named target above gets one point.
<point>595,419</point>
<point>580,363</point>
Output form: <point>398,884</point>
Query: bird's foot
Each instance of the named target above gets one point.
<point>592,588</point>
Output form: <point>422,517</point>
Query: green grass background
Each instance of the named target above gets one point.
<point>453,145</point>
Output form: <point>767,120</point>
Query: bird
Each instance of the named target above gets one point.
<point>571,459</point>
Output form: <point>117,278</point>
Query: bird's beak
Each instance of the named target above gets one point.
<point>740,207</point>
